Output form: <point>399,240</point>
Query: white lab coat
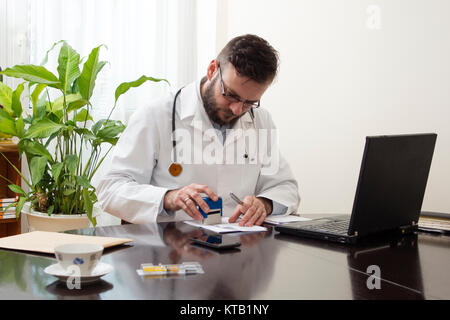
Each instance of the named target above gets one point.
<point>138,179</point>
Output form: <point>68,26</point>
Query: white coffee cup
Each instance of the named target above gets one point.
<point>85,256</point>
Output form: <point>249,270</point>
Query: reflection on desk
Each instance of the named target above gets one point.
<point>89,292</point>
<point>400,260</point>
<point>266,266</point>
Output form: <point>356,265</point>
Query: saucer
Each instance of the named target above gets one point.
<point>99,271</point>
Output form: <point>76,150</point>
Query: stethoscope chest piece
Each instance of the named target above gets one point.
<point>175,169</point>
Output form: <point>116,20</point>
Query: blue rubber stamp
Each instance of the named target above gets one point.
<point>214,216</point>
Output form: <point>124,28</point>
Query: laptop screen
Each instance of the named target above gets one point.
<point>392,182</point>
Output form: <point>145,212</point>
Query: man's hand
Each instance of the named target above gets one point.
<point>254,209</point>
<point>188,198</point>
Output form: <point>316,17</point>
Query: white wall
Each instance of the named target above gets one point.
<point>344,76</point>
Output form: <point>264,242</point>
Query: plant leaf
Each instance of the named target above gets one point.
<point>50,209</point>
<point>83,181</point>
<point>6,97</point>
<point>68,184</point>
<point>52,136</point>
<point>56,116</point>
<point>125,86</point>
<point>56,170</point>
<point>111,129</point>
<point>37,74</point>
<point>75,87</point>
<point>86,132</point>
<point>42,129</point>
<point>41,111</point>
<point>68,192</point>
<point>44,61</point>
<point>100,66</point>
<point>72,163</point>
<point>37,169</point>
<point>16,189</point>
<point>7,123</point>
<point>16,105</point>
<point>68,68</point>
<point>98,125</point>
<point>88,204</point>
<point>82,116</point>
<point>86,81</point>
<point>77,104</point>
<point>19,206</point>
<point>58,104</point>
<point>35,148</point>
<point>20,127</point>
<point>35,96</point>
<point>112,141</point>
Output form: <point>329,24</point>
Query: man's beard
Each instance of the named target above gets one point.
<point>210,105</point>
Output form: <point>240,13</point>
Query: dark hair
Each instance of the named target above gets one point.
<point>252,57</point>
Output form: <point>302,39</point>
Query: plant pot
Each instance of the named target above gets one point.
<point>38,221</point>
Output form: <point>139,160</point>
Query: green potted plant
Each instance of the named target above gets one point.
<point>60,140</point>
<point>3,136</point>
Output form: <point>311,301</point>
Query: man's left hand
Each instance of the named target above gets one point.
<point>254,211</point>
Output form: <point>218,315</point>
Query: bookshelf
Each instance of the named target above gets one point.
<point>9,227</point>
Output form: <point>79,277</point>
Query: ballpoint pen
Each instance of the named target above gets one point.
<point>235,198</point>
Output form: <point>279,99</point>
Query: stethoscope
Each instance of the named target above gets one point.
<point>176,168</point>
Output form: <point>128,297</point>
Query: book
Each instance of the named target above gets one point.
<point>8,205</point>
<point>6,201</point>
<point>5,209</point>
<point>8,216</point>
<point>434,221</point>
<point>9,210</point>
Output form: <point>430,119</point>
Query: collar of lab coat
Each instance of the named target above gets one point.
<point>191,106</point>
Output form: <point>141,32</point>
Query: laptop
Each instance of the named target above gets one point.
<point>389,194</point>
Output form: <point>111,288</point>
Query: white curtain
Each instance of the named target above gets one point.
<point>157,38</point>
<point>171,39</point>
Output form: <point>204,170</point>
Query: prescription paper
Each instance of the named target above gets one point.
<point>225,226</point>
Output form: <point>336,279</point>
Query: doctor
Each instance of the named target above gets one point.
<point>210,138</point>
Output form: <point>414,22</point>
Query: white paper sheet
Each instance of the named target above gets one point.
<point>225,226</point>
<point>284,219</point>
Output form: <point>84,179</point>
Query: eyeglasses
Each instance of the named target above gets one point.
<point>234,98</point>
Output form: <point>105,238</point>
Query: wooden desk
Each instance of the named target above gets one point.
<point>267,266</point>
<point>10,227</point>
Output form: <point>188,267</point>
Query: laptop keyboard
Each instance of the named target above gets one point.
<point>336,227</point>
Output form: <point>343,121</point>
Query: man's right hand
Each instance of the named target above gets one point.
<point>188,198</point>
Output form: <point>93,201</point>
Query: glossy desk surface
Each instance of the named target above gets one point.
<point>266,266</point>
